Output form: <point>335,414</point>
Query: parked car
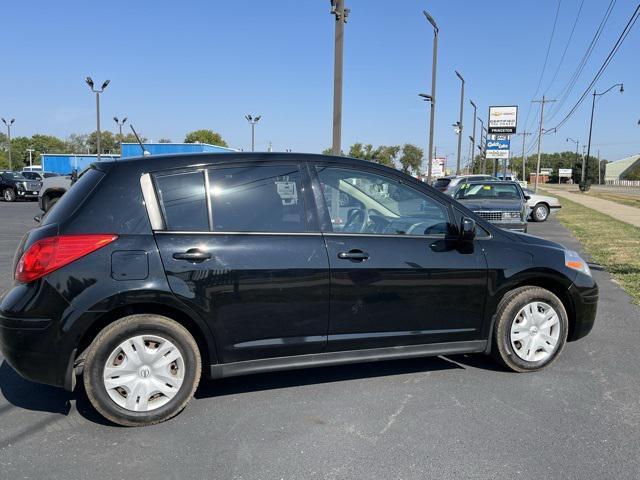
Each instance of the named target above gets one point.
<point>52,189</point>
<point>509,177</point>
<point>540,206</point>
<point>14,186</point>
<point>38,175</point>
<point>502,203</point>
<point>448,183</point>
<point>149,271</point>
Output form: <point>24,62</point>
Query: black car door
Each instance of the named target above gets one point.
<point>244,251</point>
<point>396,278</point>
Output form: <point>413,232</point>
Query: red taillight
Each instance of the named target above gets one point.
<point>49,254</point>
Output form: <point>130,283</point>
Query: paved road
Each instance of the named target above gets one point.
<point>444,418</point>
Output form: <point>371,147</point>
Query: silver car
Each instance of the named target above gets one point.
<point>540,206</point>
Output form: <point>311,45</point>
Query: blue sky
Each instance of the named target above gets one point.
<point>180,66</point>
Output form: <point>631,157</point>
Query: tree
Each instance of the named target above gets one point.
<point>205,136</point>
<point>411,158</point>
<point>165,140</point>
<point>108,142</point>
<point>78,143</point>
<point>384,155</point>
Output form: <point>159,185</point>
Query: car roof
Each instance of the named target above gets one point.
<point>493,182</point>
<point>154,163</point>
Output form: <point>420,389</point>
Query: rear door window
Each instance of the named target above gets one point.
<point>257,198</point>
<point>183,201</point>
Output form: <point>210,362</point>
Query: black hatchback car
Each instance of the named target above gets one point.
<point>151,271</point>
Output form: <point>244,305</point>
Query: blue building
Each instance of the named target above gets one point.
<point>134,150</point>
<point>65,163</point>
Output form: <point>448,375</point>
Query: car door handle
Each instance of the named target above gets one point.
<point>192,255</point>
<point>354,255</point>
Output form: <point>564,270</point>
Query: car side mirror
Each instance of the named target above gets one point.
<point>527,197</point>
<point>467,228</point>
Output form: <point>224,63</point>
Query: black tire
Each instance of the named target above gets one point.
<point>540,213</point>
<point>110,338</point>
<point>502,348</point>
<point>9,195</point>
<point>49,203</point>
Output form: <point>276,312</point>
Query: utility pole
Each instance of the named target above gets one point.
<point>30,150</point>
<point>8,124</point>
<point>341,14</point>
<point>432,96</point>
<point>524,161</point>
<point>577,142</point>
<point>540,130</point>
<point>460,122</point>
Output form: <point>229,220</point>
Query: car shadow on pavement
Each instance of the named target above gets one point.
<point>319,375</point>
<point>32,396</point>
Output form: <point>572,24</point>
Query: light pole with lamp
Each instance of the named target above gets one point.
<point>460,122</point>
<point>432,96</point>
<point>585,164</point>
<point>8,124</point>
<point>252,121</point>
<point>97,92</point>
<point>120,125</point>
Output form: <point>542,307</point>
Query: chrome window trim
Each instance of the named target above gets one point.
<point>151,202</point>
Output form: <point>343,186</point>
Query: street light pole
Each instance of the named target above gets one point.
<point>593,106</point>
<point>460,122</point>
<point>473,136</point>
<point>30,150</point>
<point>540,130</point>
<point>252,121</point>
<point>577,142</point>
<point>97,92</point>
<point>120,125</point>
<point>432,97</point>
<point>482,142</point>
<point>341,14</point>
<point>8,124</point>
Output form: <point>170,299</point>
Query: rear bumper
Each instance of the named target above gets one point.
<point>25,344</point>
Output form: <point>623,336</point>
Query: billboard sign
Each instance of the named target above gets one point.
<point>565,172</point>
<point>498,149</point>
<point>437,167</point>
<point>503,119</point>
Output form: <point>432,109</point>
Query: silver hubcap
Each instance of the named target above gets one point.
<point>541,212</point>
<point>8,195</point>
<point>535,332</point>
<point>144,373</point>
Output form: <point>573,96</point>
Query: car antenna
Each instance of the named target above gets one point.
<point>145,152</point>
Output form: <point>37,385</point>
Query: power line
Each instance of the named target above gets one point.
<point>603,67</point>
<point>546,59</point>
<point>568,88</point>
<point>566,47</point>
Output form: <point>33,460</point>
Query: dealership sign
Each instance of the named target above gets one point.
<point>498,149</point>
<point>503,119</point>
<point>564,172</point>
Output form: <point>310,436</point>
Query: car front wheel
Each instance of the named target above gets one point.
<point>142,369</point>
<point>530,330</point>
<point>9,195</point>
<point>540,212</point>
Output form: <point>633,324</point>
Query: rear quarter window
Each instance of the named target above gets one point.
<point>183,201</point>
<point>74,197</point>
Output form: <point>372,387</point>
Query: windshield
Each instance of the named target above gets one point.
<point>479,191</point>
<point>13,175</point>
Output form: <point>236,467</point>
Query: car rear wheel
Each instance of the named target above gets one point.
<point>540,212</point>
<point>142,369</point>
<point>531,329</point>
<point>9,195</point>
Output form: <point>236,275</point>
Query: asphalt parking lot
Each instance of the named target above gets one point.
<point>445,417</point>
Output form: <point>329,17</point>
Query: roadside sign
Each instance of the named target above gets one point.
<point>565,172</point>
<point>503,119</point>
<point>546,171</point>
<point>498,149</point>
<point>437,167</point>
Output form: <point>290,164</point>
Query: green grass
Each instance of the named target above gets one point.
<point>613,244</point>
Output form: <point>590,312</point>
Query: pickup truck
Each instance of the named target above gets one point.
<point>14,186</point>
